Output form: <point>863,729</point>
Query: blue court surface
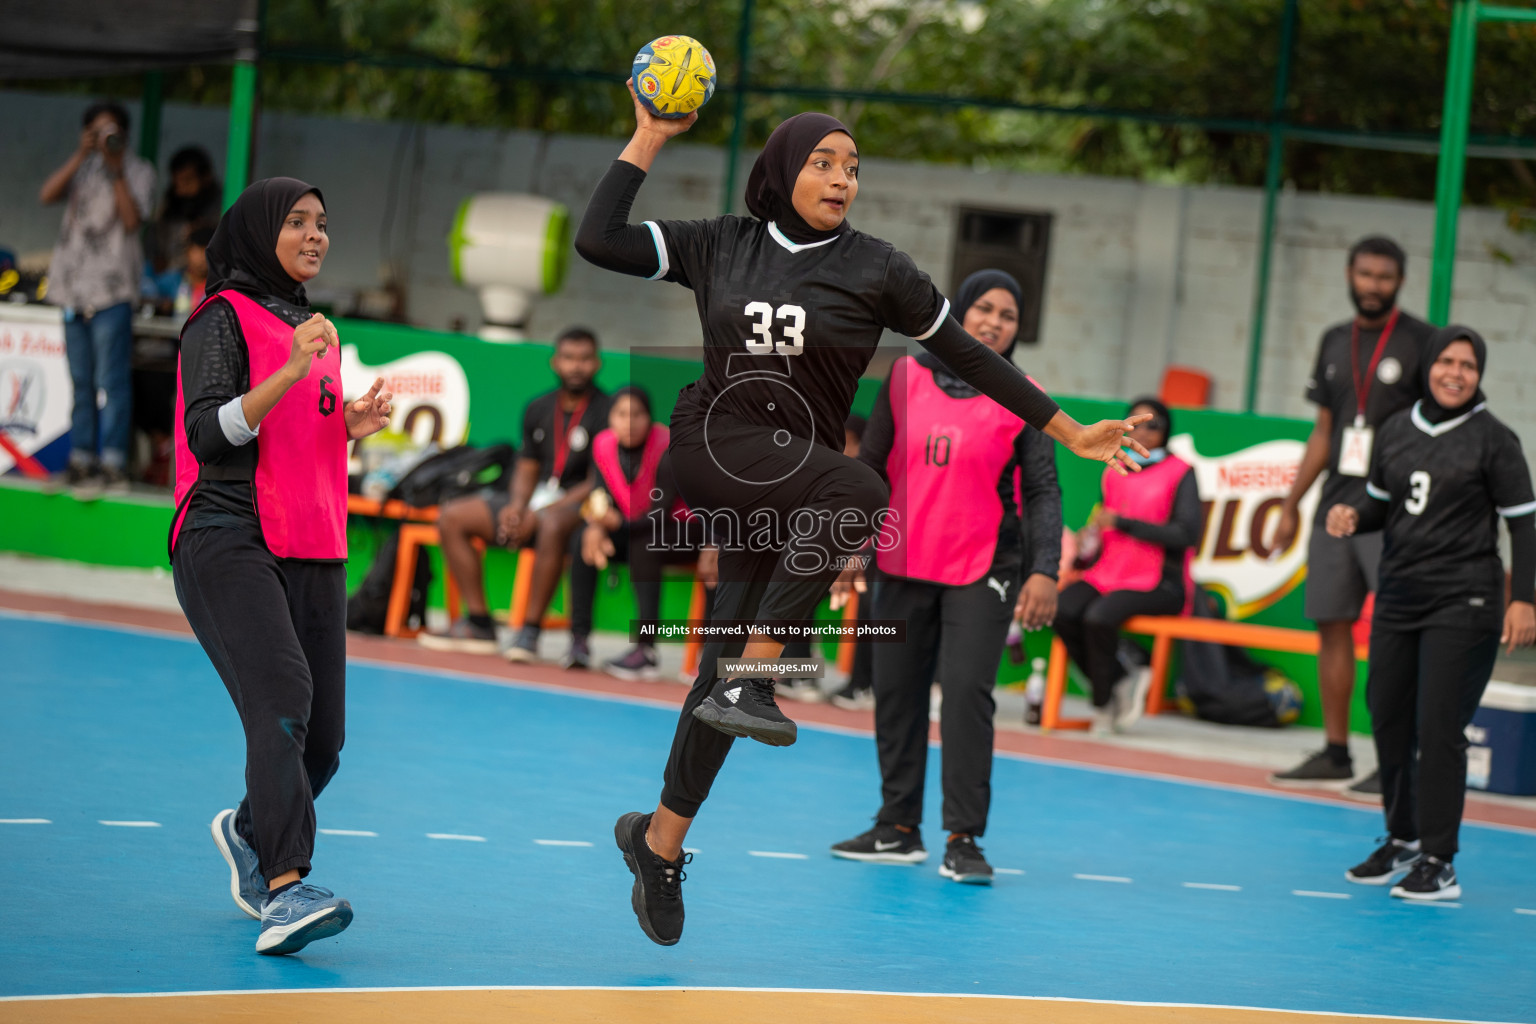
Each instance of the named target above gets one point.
<point>471,827</point>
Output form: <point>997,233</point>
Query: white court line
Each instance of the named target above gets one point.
<point>1322,895</point>
<point>691,849</point>
<point>1522,910</point>
<point>131,824</point>
<point>1103,878</point>
<point>562,842</point>
<point>1009,871</point>
<point>455,835</point>
<point>349,832</point>
<point>776,855</point>
<point>25,821</point>
<point>1213,885</point>
<point>1435,903</point>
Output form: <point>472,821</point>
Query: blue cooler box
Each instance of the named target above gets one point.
<point>1502,757</point>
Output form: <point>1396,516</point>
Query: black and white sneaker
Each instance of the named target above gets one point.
<point>745,707</point>
<point>1392,858</point>
<point>884,844</point>
<point>1430,879</point>
<point>853,698</point>
<point>1319,770</point>
<point>657,895</point>
<point>639,663</point>
<point>964,863</point>
<point>525,646</point>
<point>579,655</point>
<point>1367,790</point>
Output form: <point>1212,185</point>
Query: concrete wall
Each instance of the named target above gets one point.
<point>1140,275</point>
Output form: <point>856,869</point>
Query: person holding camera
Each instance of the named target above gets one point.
<point>108,193</point>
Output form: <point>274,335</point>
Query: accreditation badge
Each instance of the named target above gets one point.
<point>1355,449</point>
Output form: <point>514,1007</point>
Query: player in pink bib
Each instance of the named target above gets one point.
<point>259,539</point>
<point>1148,527</point>
<point>962,555</point>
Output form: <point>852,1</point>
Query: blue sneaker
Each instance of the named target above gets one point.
<point>245,882</point>
<point>299,916</point>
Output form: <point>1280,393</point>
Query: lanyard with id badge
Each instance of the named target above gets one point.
<point>568,435</point>
<point>1355,446</point>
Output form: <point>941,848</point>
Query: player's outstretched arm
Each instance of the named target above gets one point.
<point>605,236</point>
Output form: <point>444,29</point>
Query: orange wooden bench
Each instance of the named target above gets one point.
<point>1164,630</point>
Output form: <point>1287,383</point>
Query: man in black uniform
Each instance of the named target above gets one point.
<point>540,509</point>
<point>1445,474</point>
<point>1367,369</point>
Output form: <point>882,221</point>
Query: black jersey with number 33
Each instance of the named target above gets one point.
<point>1446,485</point>
<point>788,328</point>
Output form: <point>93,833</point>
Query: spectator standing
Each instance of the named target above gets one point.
<point>192,200</point>
<point>1368,368</point>
<point>95,274</point>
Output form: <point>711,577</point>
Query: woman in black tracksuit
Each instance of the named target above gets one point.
<point>1444,473</point>
<point>792,302</point>
<point>940,444</point>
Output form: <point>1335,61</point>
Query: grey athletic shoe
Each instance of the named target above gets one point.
<point>462,636</point>
<point>1319,771</point>
<point>246,884</point>
<point>299,916</point>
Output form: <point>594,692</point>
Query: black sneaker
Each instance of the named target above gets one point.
<point>84,482</point>
<point>525,646</point>
<point>657,895</point>
<point>964,863</point>
<point>639,663</point>
<point>1367,789</point>
<point>579,655</point>
<point>114,481</point>
<point>745,707</point>
<point>1430,879</point>
<point>884,844</point>
<point>853,698</point>
<point>1319,771</point>
<point>1392,858</point>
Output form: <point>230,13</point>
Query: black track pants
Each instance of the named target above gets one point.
<point>631,544</point>
<point>1088,623</point>
<point>275,631</point>
<point>1423,689</point>
<point>740,475</point>
<point>956,634</point>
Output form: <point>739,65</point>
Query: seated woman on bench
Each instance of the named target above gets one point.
<point>1148,527</point>
<point>633,516</point>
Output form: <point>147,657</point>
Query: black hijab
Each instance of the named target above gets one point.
<point>771,185</point>
<point>243,252</point>
<point>971,289</point>
<point>1441,340</point>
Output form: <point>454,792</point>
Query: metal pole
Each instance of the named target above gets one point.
<point>149,116</point>
<point>1271,190</point>
<point>739,113</point>
<point>1451,172</point>
<point>242,104</point>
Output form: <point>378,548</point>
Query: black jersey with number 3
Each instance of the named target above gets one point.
<point>1446,485</point>
<point>788,328</point>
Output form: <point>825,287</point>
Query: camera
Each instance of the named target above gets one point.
<point>113,141</point>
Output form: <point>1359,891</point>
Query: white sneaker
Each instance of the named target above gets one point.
<point>1131,698</point>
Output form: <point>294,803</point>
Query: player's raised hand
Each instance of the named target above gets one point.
<point>369,414</point>
<point>666,127</point>
<point>1107,441</point>
<point>310,341</point>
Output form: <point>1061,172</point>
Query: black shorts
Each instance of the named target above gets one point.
<point>1340,572</point>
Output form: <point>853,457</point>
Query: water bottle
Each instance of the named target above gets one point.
<point>1034,692</point>
<point>1015,642</point>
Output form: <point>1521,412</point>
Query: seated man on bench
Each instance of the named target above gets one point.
<point>541,508</point>
<point>1140,541</point>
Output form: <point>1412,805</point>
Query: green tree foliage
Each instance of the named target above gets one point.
<point>1360,66</point>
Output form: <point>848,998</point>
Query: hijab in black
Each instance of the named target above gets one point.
<point>1161,419</point>
<point>971,289</point>
<point>243,252</point>
<point>771,185</point>
<point>1441,340</point>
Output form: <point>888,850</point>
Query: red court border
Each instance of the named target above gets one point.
<point>1077,751</point>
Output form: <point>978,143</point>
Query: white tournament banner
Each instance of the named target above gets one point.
<point>1242,493</point>
<point>36,395</point>
<point>431,392</point>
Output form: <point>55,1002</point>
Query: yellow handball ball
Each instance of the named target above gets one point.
<point>673,76</point>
